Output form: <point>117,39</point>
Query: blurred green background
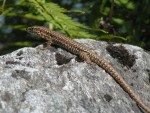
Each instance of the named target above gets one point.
<point>121,21</point>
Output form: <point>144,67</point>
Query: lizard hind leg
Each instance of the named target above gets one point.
<point>84,56</point>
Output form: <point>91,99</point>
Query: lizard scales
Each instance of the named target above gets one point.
<point>87,55</point>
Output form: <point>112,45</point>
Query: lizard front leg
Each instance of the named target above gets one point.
<point>48,45</point>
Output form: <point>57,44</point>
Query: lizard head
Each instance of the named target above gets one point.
<point>38,30</point>
<point>34,29</point>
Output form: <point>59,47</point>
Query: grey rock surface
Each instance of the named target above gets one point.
<point>55,81</point>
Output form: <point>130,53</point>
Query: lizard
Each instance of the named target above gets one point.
<point>87,55</point>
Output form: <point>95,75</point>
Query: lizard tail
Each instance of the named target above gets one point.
<point>109,69</point>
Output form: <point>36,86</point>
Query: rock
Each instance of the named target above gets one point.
<point>55,81</point>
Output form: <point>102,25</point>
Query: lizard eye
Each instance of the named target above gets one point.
<point>29,29</point>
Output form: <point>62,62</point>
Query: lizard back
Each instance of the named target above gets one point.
<point>59,39</point>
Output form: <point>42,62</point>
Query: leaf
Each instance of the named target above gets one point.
<point>54,14</point>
